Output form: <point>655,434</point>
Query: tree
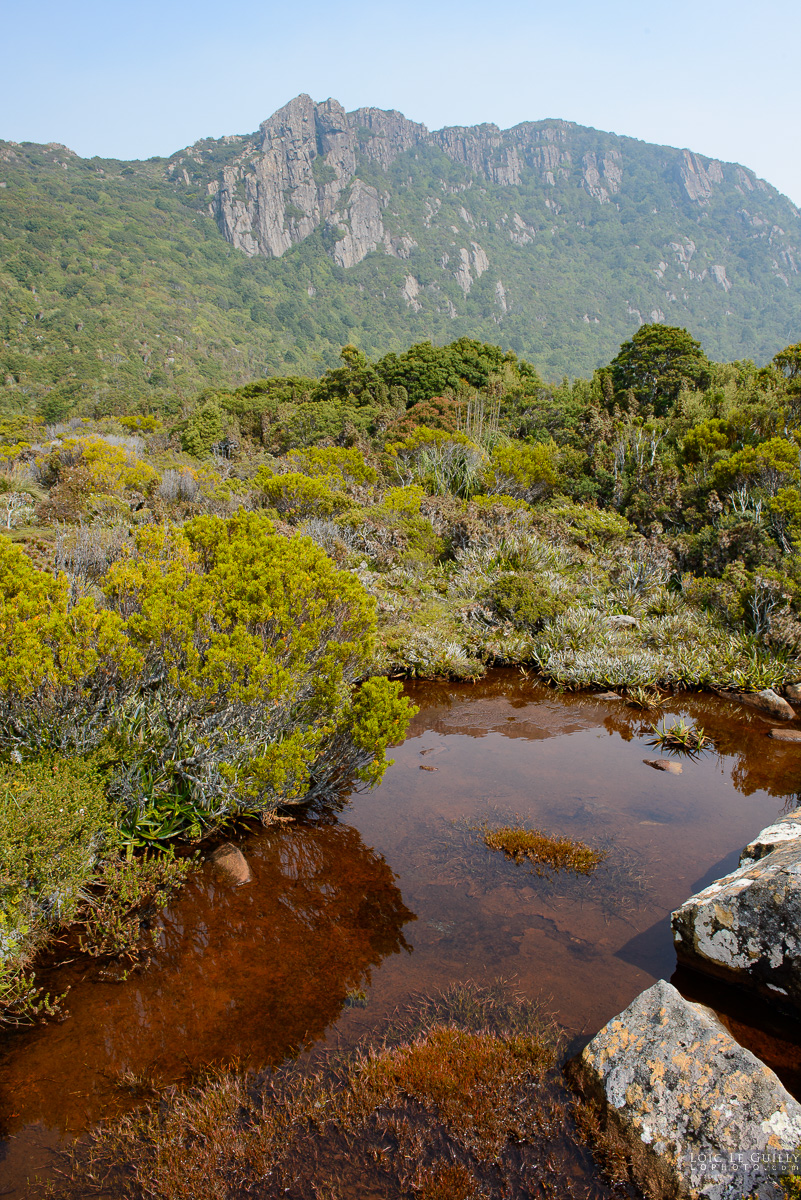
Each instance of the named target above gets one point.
<point>657,363</point>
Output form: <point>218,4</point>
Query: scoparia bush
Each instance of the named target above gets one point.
<point>221,670</point>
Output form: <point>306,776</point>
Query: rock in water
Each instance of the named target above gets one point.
<point>231,862</point>
<point>701,1116</point>
<point>663,764</point>
<point>766,701</point>
<point>786,829</point>
<point>786,735</point>
<point>793,692</point>
<point>746,927</point>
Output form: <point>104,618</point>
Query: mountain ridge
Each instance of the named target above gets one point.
<point>260,253</point>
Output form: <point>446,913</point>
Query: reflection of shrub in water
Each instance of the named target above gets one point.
<point>617,884</point>
<point>544,851</point>
<point>459,1098</point>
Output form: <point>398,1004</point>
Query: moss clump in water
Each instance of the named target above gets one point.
<point>543,850</point>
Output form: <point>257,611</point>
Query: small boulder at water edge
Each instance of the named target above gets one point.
<point>700,1116</point>
<point>746,927</point>
<point>231,863</point>
<point>766,701</point>
<point>793,692</point>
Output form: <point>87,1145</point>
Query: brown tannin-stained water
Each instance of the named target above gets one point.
<point>345,918</point>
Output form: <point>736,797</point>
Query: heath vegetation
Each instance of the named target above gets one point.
<point>205,613</point>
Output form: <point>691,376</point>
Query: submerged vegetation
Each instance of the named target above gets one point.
<point>542,850</point>
<point>459,1097</point>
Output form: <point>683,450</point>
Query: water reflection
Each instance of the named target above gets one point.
<point>254,973</point>
<point>258,972</point>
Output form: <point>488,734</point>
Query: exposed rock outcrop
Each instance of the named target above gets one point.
<point>700,1115</point>
<point>746,927</point>
<point>298,172</point>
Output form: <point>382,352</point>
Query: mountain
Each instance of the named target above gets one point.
<point>264,253</point>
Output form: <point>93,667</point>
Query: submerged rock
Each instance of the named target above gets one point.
<point>607,696</point>
<point>786,735</point>
<point>746,927</point>
<point>700,1115</point>
<point>663,764</point>
<point>766,701</point>
<point>231,863</point>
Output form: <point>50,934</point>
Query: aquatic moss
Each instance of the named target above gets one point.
<point>542,849</point>
<point>459,1099</point>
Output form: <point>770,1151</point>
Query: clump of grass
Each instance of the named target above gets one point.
<point>543,850</point>
<point>679,736</point>
<point>645,698</point>
<point>460,1099</point>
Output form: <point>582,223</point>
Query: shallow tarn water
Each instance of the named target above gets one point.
<point>346,918</point>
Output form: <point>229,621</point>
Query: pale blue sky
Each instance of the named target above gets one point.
<point>133,80</point>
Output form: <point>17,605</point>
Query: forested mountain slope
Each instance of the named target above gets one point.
<point>263,254</point>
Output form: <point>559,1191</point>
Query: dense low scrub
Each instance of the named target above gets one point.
<point>214,608</point>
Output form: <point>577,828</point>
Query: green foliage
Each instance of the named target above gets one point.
<point>657,363</point>
<point>254,641</point>
<point>522,599</point>
<point>300,496</point>
<point>54,650</point>
<point>528,472</point>
<point>54,822</point>
<point>770,466</point>
<point>707,439</point>
<point>203,430</point>
<point>336,463</point>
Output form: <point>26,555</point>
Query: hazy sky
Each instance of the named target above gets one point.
<point>132,80</point>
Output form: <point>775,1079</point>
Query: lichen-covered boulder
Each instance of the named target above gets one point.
<point>746,927</point>
<point>786,829</point>
<point>700,1116</point>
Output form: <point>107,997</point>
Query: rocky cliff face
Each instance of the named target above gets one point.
<point>496,226</point>
<point>300,172</point>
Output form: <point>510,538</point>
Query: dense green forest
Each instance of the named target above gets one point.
<point>119,281</point>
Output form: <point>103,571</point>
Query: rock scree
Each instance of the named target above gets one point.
<point>700,1115</point>
<point>746,927</point>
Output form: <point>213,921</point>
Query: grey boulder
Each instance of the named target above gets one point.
<point>746,927</point>
<point>700,1116</point>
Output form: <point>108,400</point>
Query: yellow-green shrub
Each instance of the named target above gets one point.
<point>254,641</point>
<point>299,496</point>
<point>340,464</point>
<point>527,472</point>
